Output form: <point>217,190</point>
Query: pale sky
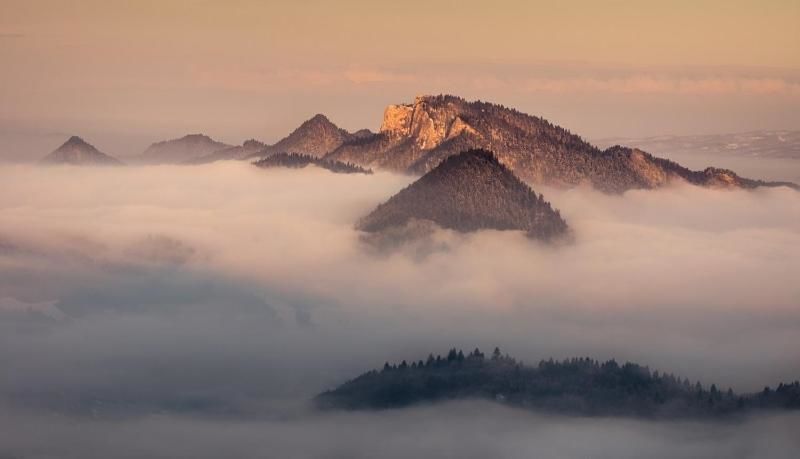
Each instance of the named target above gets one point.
<point>126,73</point>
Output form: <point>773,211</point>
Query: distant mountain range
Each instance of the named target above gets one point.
<point>467,192</point>
<point>177,151</point>
<point>756,144</point>
<point>245,150</point>
<point>414,138</point>
<point>578,386</point>
<point>77,152</point>
<point>315,137</point>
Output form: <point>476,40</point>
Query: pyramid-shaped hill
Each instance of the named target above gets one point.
<point>468,192</point>
<point>77,152</point>
<point>316,137</point>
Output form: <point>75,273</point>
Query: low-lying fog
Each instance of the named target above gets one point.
<point>474,430</point>
<point>225,296</point>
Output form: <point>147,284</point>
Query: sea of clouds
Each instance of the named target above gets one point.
<point>140,306</point>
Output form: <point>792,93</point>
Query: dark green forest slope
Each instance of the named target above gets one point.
<point>578,386</point>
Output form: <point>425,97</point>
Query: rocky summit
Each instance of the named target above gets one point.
<point>467,192</point>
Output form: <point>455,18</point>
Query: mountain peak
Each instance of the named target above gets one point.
<point>319,122</point>
<point>468,192</point>
<point>319,118</point>
<point>476,155</point>
<point>317,136</point>
<point>76,151</point>
<point>75,140</point>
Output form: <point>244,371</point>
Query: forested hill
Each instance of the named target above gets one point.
<point>578,386</point>
<point>467,192</point>
<point>299,161</point>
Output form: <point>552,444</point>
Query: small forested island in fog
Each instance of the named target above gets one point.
<point>299,160</point>
<point>577,386</point>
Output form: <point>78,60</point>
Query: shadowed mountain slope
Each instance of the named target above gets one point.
<point>468,192</point>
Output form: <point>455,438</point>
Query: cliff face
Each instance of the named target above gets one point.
<point>429,125</point>
<point>397,120</point>
<point>416,137</point>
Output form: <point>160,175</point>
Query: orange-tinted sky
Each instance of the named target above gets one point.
<point>131,72</point>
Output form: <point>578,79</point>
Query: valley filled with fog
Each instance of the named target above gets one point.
<point>215,301</point>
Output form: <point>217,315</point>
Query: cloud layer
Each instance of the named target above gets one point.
<point>459,430</point>
<point>225,290</point>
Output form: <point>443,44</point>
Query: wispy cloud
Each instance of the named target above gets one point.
<point>652,84</point>
<point>361,75</point>
<point>552,79</point>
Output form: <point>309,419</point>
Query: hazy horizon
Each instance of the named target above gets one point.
<point>124,75</point>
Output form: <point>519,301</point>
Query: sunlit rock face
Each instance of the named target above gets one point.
<point>721,178</point>
<point>652,175</point>
<point>397,120</point>
<point>416,137</point>
<point>429,124</point>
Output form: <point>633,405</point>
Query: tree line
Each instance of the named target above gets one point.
<point>579,385</point>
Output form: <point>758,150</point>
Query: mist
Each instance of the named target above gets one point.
<point>467,429</point>
<point>214,301</point>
